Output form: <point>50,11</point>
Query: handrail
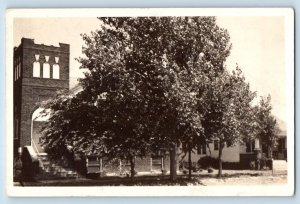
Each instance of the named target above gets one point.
<point>35,147</point>
<point>32,153</point>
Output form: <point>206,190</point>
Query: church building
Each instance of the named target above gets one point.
<point>39,72</point>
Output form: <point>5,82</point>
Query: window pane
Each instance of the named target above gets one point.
<point>199,149</point>
<point>55,71</point>
<point>19,71</point>
<point>36,69</point>
<point>17,74</point>
<point>216,144</point>
<point>204,149</point>
<point>46,70</point>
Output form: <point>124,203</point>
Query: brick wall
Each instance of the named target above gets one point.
<point>29,90</point>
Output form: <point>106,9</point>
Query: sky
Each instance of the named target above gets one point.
<point>258,47</point>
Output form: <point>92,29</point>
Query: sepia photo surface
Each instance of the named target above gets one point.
<point>150,102</point>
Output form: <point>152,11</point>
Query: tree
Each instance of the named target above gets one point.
<point>143,88</point>
<point>228,102</point>
<point>72,123</point>
<point>268,129</point>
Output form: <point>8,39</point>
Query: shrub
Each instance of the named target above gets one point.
<point>103,174</point>
<point>252,165</point>
<point>269,163</point>
<point>184,165</point>
<point>263,163</point>
<point>163,172</point>
<point>93,175</point>
<point>208,161</point>
<point>210,170</point>
<point>181,165</point>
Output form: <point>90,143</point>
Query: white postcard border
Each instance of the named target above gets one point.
<point>256,190</point>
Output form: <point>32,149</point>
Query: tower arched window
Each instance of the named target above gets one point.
<point>46,68</point>
<point>36,67</point>
<point>56,69</point>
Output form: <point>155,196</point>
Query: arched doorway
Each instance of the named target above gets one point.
<point>37,121</point>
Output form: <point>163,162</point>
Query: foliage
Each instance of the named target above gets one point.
<point>152,83</point>
<point>210,170</point>
<point>268,129</point>
<point>228,102</point>
<point>67,128</point>
<point>137,68</point>
<point>207,161</point>
<point>228,106</point>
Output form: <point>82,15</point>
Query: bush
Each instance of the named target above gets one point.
<point>103,174</point>
<point>265,163</point>
<point>207,161</point>
<point>93,175</point>
<point>269,164</point>
<point>184,165</point>
<point>163,172</point>
<point>210,170</point>
<point>261,164</point>
<point>181,165</point>
<point>252,165</point>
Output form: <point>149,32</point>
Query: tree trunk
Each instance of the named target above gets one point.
<point>271,152</point>
<point>190,164</point>
<point>173,163</point>
<point>220,160</point>
<point>132,165</point>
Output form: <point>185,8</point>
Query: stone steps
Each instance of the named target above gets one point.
<point>53,169</point>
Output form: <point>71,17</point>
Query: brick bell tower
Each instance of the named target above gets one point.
<point>39,72</point>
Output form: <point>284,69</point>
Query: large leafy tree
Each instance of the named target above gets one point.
<point>143,89</point>
<point>228,102</point>
<point>267,127</point>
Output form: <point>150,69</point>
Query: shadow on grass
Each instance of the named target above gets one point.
<point>119,181</point>
<point>150,180</point>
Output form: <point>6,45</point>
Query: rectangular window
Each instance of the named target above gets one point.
<point>250,146</point>
<point>204,149</point>
<point>17,74</point>
<point>20,70</point>
<point>201,148</point>
<point>216,144</point>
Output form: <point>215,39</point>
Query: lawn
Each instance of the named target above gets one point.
<point>230,177</point>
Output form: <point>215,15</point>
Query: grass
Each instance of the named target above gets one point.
<point>198,179</point>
